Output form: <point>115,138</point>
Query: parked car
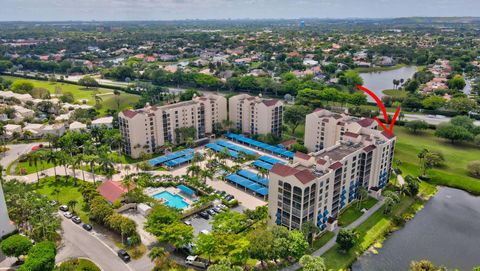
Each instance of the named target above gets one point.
<point>229,198</point>
<point>68,215</point>
<point>123,255</point>
<point>87,227</point>
<point>218,209</point>
<point>204,214</point>
<point>63,208</point>
<point>76,220</point>
<point>53,202</point>
<point>196,261</point>
<point>212,212</point>
<point>223,206</point>
<point>187,222</point>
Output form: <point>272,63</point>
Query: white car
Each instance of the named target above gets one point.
<point>68,215</point>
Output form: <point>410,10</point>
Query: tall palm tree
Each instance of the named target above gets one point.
<point>127,182</point>
<point>52,157</point>
<point>72,204</point>
<point>206,174</point>
<point>33,159</point>
<point>159,256</point>
<point>92,161</point>
<point>362,193</point>
<point>56,193</point>
<point>65,162</point>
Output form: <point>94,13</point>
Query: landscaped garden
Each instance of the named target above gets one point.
<point>108,98</point>
<point>354,211</point>
<point>66,192</point>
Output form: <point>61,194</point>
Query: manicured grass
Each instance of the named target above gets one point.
<point>353,212</point>
<point>398,93</point>
<point>453,173</point>
<point>109,100</point>
<point>68,192</point>
<point>29,169</point>
<point>322,240</point>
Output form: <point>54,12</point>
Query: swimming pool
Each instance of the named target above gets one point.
<point>171,200</point>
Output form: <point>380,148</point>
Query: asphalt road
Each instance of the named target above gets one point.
<point>77,242</point>
<point>14,152</point>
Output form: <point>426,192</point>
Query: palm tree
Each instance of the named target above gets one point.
<point>92,161</point>
<point>27,135</point>
<point>362,193</point>
<point>206,174</point>
<point>388,203</point>
<point>106,165</point>
<point>76,163</point>
<point>3,132</point>
<point>194,170</point>
<point>72,204</point>
<point>52,157</point>
<point>65,162</point>
<point>117,98</point>
<point>189,142</point>
<point>56,193</point>
<point>159,255</point>
<point>127,183</point>
<point>262,173</point>
<point>33,159</point>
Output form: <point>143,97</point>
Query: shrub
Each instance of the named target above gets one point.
<point>473,168</point>
<point>41,257</point>
<point>16,245</point>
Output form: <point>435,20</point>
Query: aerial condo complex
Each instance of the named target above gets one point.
<point>219,135</point>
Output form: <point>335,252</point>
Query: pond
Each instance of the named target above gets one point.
<point>378,81</point>
<point>446,232</point>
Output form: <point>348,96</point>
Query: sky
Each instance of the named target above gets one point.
<point>117,10</point>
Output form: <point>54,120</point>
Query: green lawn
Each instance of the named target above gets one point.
<point>26,168</point>
<point>453,174</point>
<point>78,265</point>
<point>68,192</point>
<point>322,240</point>
<point>353,212</point>
<point>398,93</point>
<point>109,100</point>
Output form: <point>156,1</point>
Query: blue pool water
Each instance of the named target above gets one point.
<point>171,200</point>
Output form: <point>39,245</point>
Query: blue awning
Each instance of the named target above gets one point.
<point>185,189</point>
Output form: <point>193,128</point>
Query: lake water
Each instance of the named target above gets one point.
<point>446,232</point>
<point>378,81</point>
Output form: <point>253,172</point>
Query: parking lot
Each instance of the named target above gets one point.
<point>200,224</point>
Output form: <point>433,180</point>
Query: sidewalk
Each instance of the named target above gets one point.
<point>332,241</point>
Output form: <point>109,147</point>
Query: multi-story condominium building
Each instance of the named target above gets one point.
<point>6,226</point>
<point>256,115</point>
<point>316,186</point>
<point>324,129</point>
<point>145,130</point>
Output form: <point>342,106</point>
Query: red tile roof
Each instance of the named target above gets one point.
<point>112,190</point>
<point>336,165</point>
<point>365,122</point>
<point>288,143</point>
<point>350,134</point>
<point>302,155</point>
<point>270,102</point>
<point>321,161</point>
<point>283,170</point>
<point>389,136</point>
<point>305,176</point>
<point>369,148</point>
<point>129,113</point>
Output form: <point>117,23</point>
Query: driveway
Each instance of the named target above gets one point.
<point>15,151</point>
<point>77,242</point>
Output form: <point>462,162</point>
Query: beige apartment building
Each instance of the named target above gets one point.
<point>256,115</point>
<point>317,186</point>
<point>324,129</point>
<point>145,130</point>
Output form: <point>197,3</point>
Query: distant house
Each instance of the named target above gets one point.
<point>113,191</point>
<point>103,122</point>
<point>77,126</point>
<point>57,129</point>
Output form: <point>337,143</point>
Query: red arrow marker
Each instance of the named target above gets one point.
<point>388,130</point>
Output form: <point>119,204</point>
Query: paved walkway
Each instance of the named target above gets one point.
<point>400,180</point>
<point>332,242</point>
